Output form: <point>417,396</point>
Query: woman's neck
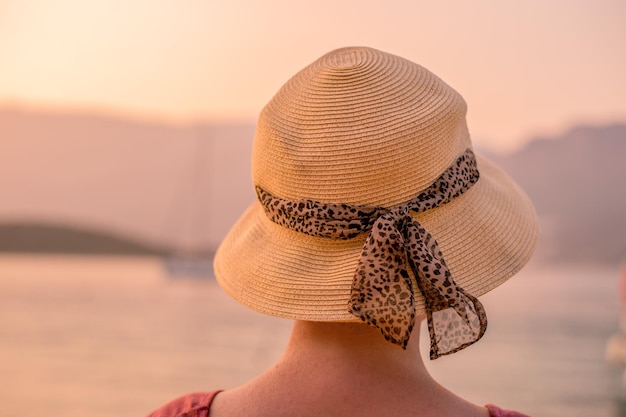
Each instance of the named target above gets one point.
<point>353,348</point>
<point>339,369</point>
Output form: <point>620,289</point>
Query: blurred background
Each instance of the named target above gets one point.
<point>125,140</point>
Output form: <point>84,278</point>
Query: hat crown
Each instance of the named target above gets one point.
<point>345,58</point>
<point>358,126</point>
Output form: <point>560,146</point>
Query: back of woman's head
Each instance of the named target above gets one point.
<point>373,207</point>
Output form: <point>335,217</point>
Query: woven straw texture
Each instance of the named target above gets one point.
<point>359,126</point>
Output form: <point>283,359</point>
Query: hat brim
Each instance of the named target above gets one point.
<point>486,235</point>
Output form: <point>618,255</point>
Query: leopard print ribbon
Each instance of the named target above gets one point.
<point>382,294</point>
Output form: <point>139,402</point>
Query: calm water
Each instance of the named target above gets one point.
<point>109,336</point>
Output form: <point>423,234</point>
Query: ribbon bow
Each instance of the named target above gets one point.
<point>382,290</point>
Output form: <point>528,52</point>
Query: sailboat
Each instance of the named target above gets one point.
<point>195,265</point>
<point>187,209</point>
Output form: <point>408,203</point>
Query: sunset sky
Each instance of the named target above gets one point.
<point>524,67</point>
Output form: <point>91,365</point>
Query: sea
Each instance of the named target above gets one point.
<point>104,336</point>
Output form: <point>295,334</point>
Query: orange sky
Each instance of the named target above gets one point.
<point>524,67</point>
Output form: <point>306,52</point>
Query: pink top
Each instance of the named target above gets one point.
<point>199,404</point>
<point>498,412</point>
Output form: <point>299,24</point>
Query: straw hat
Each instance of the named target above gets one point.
<point>362,127</point>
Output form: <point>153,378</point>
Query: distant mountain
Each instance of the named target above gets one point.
<point>578,184</point>
<point>42,238</point>
<point>183,186</point>
<point>176,185</point>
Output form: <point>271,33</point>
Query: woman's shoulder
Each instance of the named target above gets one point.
<point>198,404</point>
<point>495,411</point>
<point>195,404</point>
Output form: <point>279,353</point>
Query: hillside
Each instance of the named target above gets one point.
<point>42,238</point>
<point>578,184</point>
<point>170,185</point>
<point>180,186</point>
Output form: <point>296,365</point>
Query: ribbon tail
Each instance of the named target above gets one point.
<point>451,330</point>
<point>456,319</point>
<point>382,295</point>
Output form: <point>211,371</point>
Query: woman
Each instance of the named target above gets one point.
<point>373,214</point>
